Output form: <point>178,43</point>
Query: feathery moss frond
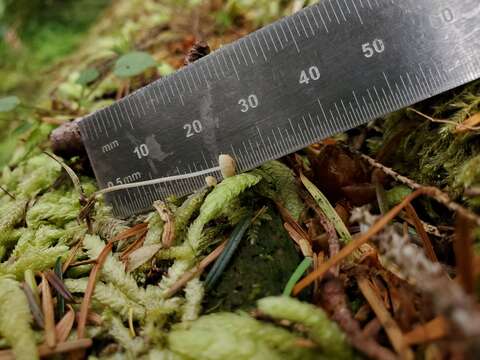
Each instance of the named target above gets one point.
<point>319,327</point>
<point>15,318</point>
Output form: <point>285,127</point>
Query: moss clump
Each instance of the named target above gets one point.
<point>433,153</point>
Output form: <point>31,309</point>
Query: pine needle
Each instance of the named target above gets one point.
<point>87,298</point>
<point>389,324</point>
<point>65,325</point>
<point>48,313</point>
<point>427,244</point>
<point>225,257</point>
<point>196,271</point>
<point>297,274</point>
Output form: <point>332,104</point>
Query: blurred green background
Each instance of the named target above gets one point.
<point>34,34</point>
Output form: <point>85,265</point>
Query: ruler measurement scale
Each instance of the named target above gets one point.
<point>323,70</point>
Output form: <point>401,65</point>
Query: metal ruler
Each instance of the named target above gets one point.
<point>326,69</point>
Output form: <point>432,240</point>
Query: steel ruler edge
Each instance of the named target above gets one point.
<point>328,68</point>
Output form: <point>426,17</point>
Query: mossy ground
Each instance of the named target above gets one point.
<point>134,314</point>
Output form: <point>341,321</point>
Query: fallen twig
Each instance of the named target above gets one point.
<point>435,193</point>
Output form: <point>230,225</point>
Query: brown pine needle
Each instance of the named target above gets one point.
<point>58,285</point>
<point>72,255</point>
<point>48,313</point>
<point>133,246</point>
<point>134,230</point>
<point>362,239</point>
<point>64,326</point>
<point>44,350</point>
<point>463,247</point>
<point>388,322</point>
<point>92,279</point>
<point>427,244</point>
<point>87,298</point>
<point>435,329</point>
<point>196,271</point>
<point>84,262</point>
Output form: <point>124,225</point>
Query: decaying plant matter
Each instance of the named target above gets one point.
<point>360,246</point>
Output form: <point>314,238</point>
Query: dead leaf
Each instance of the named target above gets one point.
<point>168,236</point>
<point>140,256</point>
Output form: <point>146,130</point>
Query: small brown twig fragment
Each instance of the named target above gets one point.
<point>296,232</point>
<point>84,262</point>
<point>198,50</point>
<point>334,300</point>
<point>435,193</point>
<point>168,235</point>
<point>468,125</point>
<point>388,322</point>
<point>48,313</point>
<point>463,247</point>
<point>427,244</point>
<point>435,329</point>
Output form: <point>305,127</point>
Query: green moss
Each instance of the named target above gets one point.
<point>15,319</point>
<point>433,153</point>
<point>469,173</point>
<point>320,328</point>
<point>229,335</point>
